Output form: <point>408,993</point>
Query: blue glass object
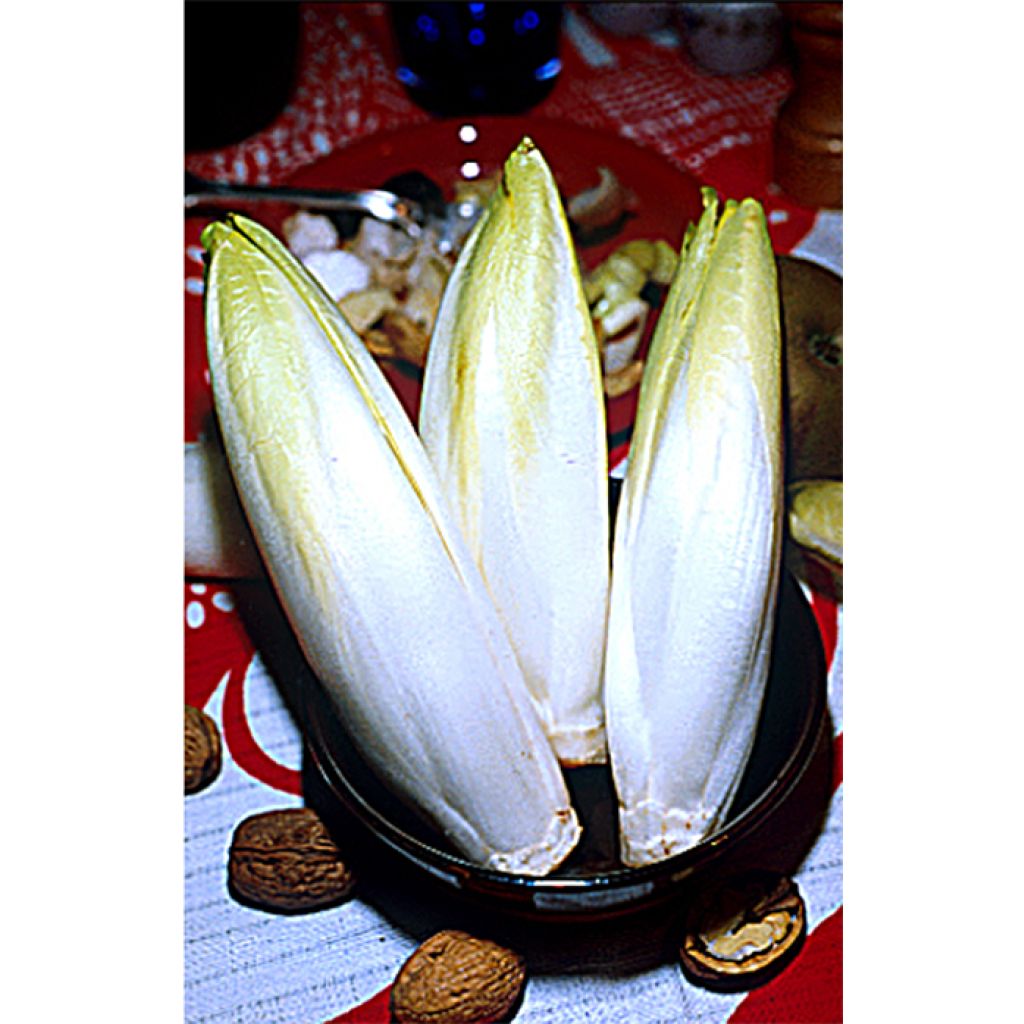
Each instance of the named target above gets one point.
<point>408,77</point>
<point>428,28</point>
<point>548,70</point>
<point>479,58</point>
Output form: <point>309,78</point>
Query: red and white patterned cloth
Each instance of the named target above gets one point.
<point>243,965</point>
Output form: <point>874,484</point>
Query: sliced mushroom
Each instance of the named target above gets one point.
<point>398,336</point>
<point>340,272</point>
<point>377,242</point>
<point>657,259</point>
<point>306,232</point>
<point>601,205</point>
<point>363,309</point>
<point>620,331</point>
<point>624,380</point>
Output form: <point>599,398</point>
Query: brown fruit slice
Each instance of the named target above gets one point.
<point>812,323</point>
<point>744,932</point>
<point>456,978</point>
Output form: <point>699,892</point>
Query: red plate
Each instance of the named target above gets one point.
<point>666,201</point>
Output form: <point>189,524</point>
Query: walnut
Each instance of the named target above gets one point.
<point>202,749</point>
<point>743,933</point>
<point>456,978</point>
<point>286,861</point>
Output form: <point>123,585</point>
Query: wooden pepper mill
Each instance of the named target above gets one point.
<point>808,144</point>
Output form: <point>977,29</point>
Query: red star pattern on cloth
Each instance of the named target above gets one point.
<point>217,645</point>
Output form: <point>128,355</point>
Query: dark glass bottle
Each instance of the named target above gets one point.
<point>240,64</point>
<point>477,58</point>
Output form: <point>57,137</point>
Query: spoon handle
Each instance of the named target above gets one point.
<point>381,205</point>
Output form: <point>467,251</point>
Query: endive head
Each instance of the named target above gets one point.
<point>512,415</point>
<point>355,532</point>
<point>697,548</point>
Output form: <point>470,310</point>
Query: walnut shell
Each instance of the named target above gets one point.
<point>202,749</point>
<point>456,978</point>
<point>286,861</point>
<point>743,933</point>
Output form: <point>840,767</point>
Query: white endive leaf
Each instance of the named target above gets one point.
<point>378,585</point>
<point>697,547</point>
<point>512,416</point>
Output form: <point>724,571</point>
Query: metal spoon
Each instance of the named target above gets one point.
<point>381,205</point>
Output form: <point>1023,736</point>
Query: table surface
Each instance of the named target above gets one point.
<point>245,965</point>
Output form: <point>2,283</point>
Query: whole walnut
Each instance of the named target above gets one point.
<point>285,860</point>
<point>202,749</point>
<point>457,978</point>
